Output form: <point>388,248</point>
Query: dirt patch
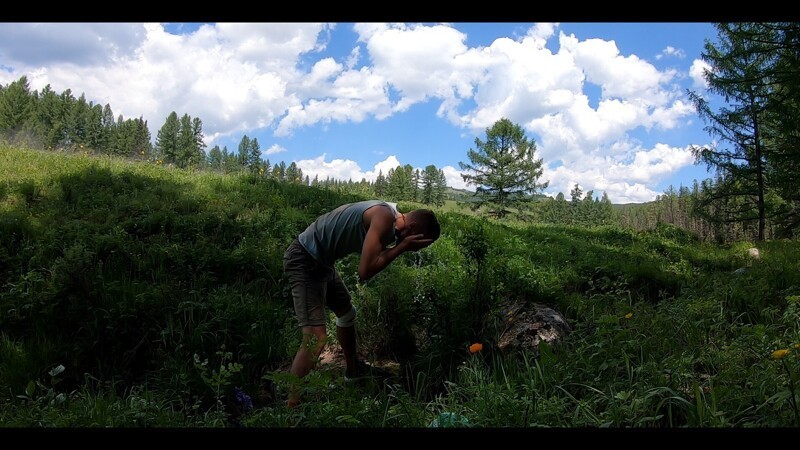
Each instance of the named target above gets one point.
<point>332,359</point>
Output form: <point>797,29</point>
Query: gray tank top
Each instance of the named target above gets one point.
<point>341,232</point>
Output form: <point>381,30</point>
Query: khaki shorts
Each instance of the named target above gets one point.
<point>314,286</point>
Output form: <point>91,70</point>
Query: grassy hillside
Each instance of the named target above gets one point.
<point>140,295</point>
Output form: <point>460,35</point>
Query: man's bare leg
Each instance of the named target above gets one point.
<point>314,338</point>
<point>347,339</point>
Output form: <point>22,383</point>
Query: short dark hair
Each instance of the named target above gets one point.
<point>426,220</point>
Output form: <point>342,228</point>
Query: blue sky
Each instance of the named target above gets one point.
<point>605,103</point>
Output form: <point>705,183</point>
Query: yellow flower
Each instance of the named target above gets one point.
<point>778,354</point>
<point>629,315</point>
<point>475,348</point>
<point>797,346</point>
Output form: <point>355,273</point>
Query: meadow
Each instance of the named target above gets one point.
<point>138,295</point>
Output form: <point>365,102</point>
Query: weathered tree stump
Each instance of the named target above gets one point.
<point>528,324</point>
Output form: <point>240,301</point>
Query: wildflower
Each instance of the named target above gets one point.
<point>629,315</point>
<point>778,354</point>
<point>797,346</point>
<point>243,399</point>
<point>476,347</point>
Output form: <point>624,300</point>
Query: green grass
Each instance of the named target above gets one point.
<point>160,291</point>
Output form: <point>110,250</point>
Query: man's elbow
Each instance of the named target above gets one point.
<point>364,274</point>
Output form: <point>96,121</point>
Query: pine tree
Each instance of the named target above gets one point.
<point>94,128</point>
<point>215,158</point>
<point>254,156</point>
<point>80,117</point>
<point>67,137</point>
<point>740,74</point>
<point>400,183</point>
<point>230,161</point>
<point>16,107</point>
<point>142,143</point>
<point>380,185</point>
<point>186,142</point>
<point>606,211</point>
<point>503,169</point>
<point>167,139</point>
<point>244,152</point>
<point>266,167</point>
<point>292,174</point>
<point>46,122</point>
<point>198,152</point>
<point>440,189</point>
<point>429,179</point>
<point>279,171</point>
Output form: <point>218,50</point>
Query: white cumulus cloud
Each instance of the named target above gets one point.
<point>697,72</point>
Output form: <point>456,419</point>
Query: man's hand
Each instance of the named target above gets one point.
<point>414,243</point>
<point>374,256</point>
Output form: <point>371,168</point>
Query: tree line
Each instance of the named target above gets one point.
<point>47,120</point>
<point>685,208</point>
<point>403,183</point>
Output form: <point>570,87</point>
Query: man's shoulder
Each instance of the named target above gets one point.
<point>382,214</point>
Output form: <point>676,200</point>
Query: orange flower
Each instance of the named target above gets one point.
<point>778,354</point>
<point>475,348</point>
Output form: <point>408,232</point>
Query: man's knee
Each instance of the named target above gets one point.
<point>348,319</point>
<point>314,336</point>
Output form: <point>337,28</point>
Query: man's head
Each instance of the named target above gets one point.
<point>419,221</point>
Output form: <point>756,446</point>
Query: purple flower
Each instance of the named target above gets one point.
<point>243,399</point>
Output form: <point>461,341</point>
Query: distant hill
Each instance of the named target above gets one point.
<point>460,195</point>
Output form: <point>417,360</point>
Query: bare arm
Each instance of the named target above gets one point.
<point>374,257</point>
